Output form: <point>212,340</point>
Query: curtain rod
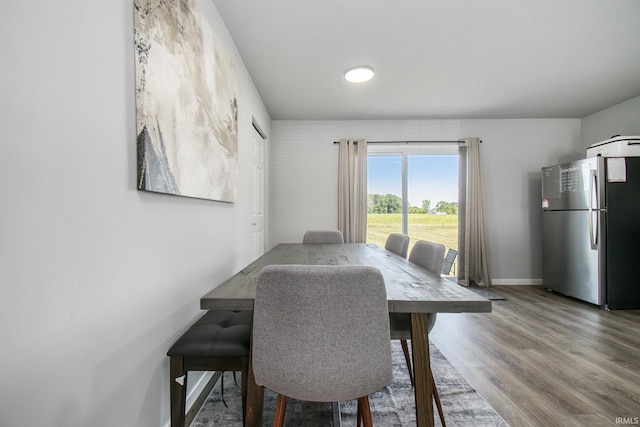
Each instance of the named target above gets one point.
<point>409,142</point>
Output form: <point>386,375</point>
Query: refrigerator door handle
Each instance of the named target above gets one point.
<point>593,196</point>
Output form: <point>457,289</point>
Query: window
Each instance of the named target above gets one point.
<point>413,190</point>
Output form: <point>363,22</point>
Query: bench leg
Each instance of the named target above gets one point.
<point>177,391</point>
<point>245,382</point>
<point>255,400</point>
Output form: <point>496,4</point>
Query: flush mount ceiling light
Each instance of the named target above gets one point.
<point>359,74</point>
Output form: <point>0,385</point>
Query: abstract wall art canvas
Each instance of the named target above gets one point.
<point>186,103</point>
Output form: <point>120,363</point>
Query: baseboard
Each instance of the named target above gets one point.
<point>198,395</point>
<point>516,282</point>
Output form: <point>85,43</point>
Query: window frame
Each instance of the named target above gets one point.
<point>404,151</point>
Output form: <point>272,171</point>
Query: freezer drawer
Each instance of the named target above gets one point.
<point>570,265</point>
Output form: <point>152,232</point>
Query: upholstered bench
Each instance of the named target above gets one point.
<point>218,341</point>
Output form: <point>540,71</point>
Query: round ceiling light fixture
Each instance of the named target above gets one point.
<point>359,74</point>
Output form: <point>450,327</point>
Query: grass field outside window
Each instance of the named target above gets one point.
<point>436,228</point>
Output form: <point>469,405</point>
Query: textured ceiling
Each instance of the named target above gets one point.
<point>438,59</point>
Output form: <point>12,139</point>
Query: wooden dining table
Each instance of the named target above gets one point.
<point>410,289</point>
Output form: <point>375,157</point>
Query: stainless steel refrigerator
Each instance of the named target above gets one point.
<point>591,230</point>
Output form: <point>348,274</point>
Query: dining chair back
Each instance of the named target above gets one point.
<point>323,236</point>
<point>429,255</point>
<point>321,333</point>
<point>397,243</point>
<point>449,261</point>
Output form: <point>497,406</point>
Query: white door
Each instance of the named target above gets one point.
<point>258,195</point>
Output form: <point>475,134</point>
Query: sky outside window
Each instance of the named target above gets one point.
<point>430,177</point>
<point>384,175</point>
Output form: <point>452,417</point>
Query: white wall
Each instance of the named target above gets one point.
<point>621,119</point>
<point>513,151</point>
<point>304,177</point>
<point>97,279</point>
<point>305,167</point>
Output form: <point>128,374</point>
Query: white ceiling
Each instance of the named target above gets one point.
<point>437,59</point>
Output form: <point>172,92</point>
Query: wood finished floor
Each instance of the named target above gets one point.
<point>542,359</point>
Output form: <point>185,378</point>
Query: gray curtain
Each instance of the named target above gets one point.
<point>352,190</point>
<point>473,256</point>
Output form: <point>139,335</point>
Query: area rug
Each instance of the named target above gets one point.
<point>392,406</point>
<point>486,293</point>
<point>482,291</point>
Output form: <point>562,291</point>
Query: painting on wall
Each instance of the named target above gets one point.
<point>186,103</point>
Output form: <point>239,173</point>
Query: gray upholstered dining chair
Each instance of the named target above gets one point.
<point>323,236</point>
<point>321,333</point>
<point>397,243</point>
<point>328,237</point>
<point>429,255</point>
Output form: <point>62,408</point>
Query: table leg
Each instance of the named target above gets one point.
<point>255,399</point>
<point>421,367</point>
